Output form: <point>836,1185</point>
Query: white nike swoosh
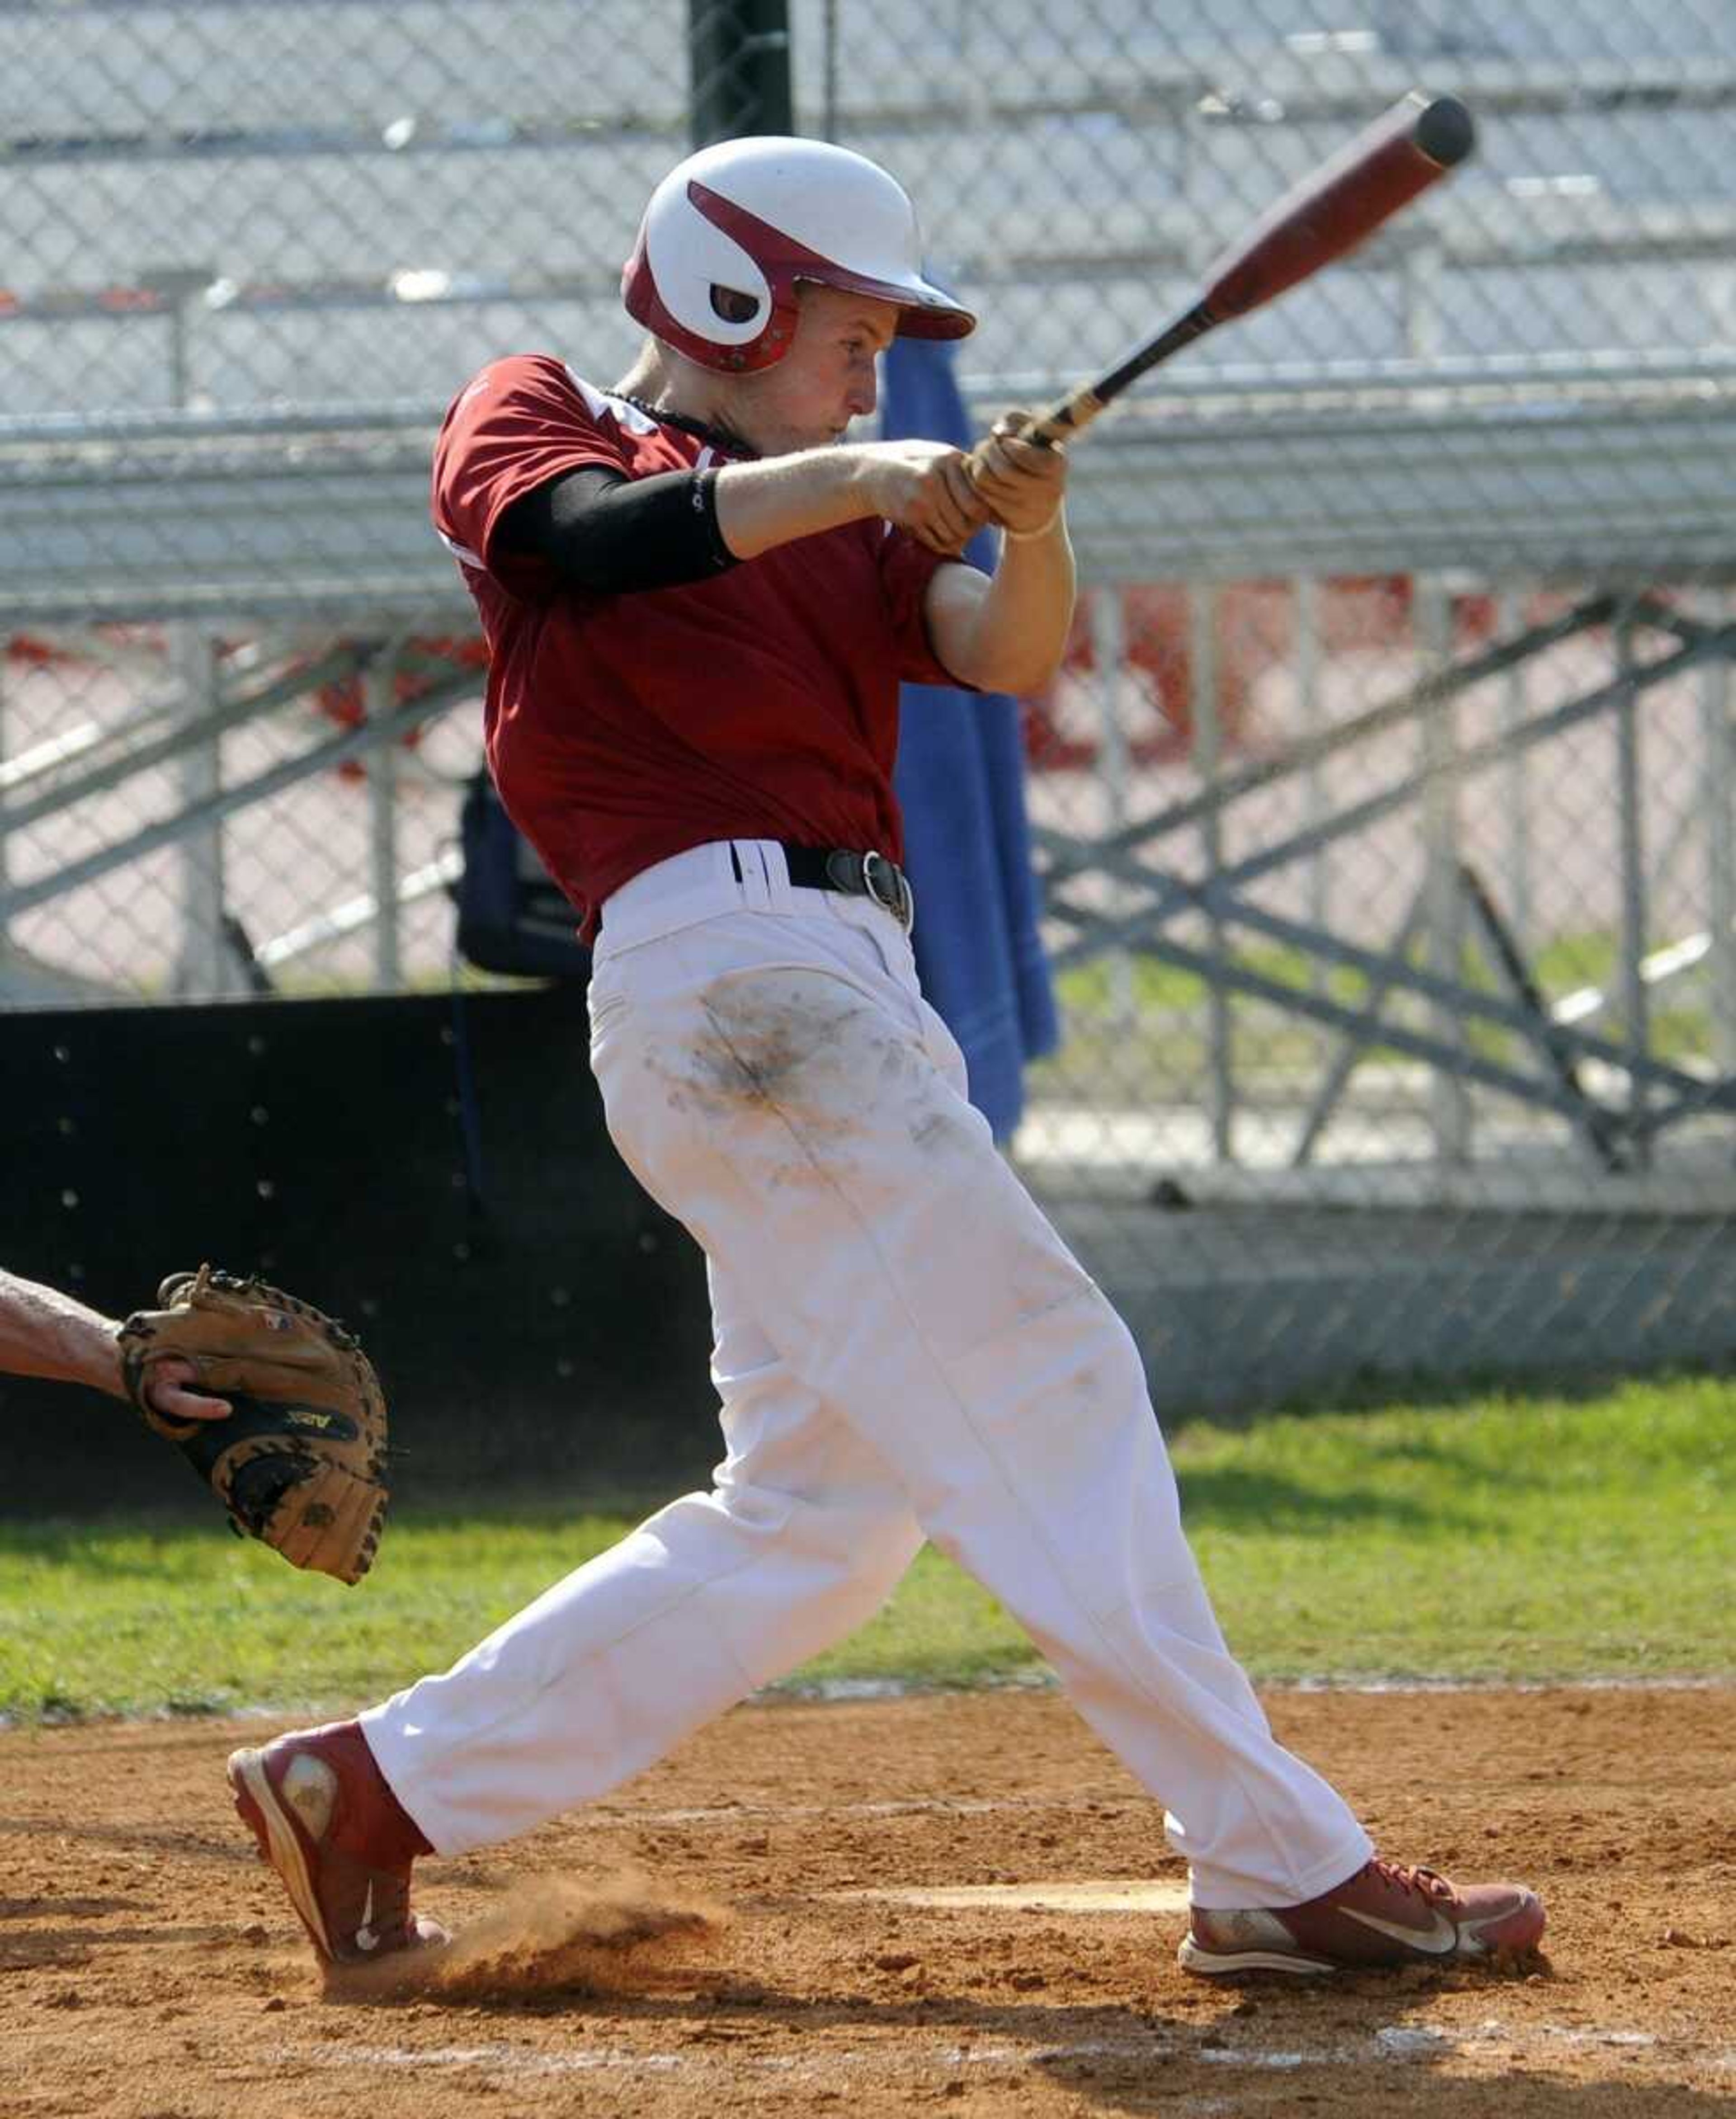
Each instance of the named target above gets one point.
<point>365,1938</point>
<point>1442,1939</point>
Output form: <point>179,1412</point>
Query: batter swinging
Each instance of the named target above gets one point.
<point>700,602</point>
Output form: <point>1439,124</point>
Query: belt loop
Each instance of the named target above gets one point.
<point>775,862</point>
<point>761,886</point>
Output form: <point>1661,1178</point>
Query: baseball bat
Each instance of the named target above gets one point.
<point>1323,218</point>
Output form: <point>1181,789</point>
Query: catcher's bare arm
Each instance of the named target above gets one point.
<point>300,1462</point>
<point>45,1334</point>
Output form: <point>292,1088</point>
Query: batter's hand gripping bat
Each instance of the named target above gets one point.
<point>1323,218</point>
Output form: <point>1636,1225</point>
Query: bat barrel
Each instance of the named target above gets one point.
<point>1340,206</point>
<point>1326,216</point>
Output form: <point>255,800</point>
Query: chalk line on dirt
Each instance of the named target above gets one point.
<point>1102,1895</point>
<point>844,1692</point>
<point>1394,2045</point>
<point>938,1805</point>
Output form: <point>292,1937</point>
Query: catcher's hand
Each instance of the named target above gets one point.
<point>300,1461</point>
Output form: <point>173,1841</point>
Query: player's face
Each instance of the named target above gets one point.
<point>826,379</point>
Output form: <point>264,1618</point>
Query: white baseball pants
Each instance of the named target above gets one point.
<point>905,1349</point>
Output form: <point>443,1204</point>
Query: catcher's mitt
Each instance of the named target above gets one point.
<point>300,1460</point>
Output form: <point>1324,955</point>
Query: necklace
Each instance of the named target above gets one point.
<point>718,437</point>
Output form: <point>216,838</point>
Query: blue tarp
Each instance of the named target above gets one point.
<point>960,779</point>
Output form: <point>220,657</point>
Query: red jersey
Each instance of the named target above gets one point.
<point>622,729</point>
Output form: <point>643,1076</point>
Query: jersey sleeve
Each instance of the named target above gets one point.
<point>521,423</point>
<point>906,568</point>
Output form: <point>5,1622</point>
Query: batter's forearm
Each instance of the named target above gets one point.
<point>44,1333</point>
<point>1016,634</point>
<point>763,505</point>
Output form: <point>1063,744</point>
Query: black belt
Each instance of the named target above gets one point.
<point>857,875</point>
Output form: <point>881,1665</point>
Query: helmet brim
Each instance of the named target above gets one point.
<point>925,311</point>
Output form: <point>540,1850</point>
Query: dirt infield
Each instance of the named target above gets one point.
<point>724,1936</point>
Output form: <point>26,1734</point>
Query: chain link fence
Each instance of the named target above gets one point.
<point>1385,799</point>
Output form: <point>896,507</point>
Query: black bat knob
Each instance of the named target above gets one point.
<point>1445,132</point>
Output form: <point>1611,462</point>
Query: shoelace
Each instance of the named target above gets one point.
<point>1409,1876</point>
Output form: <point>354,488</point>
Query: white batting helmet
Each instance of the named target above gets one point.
<point>730,231</point>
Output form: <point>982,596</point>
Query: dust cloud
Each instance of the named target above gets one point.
<point>550,1933</point>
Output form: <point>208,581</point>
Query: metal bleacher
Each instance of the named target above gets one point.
<point>265,244</point>
<point>254,247</point>
<point>255,275</point>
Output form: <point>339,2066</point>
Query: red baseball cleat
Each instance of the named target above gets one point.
<point>1384,1915</point>
<point>342,1844</point>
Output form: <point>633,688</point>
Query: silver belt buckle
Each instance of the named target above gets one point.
<point>893,891</point>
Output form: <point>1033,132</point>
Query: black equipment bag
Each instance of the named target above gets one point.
<point>512,917</point>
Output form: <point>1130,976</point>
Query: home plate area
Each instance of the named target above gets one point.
<point>959,1900</point>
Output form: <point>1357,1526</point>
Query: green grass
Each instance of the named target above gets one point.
<point>1505,1537</point>
<point>1499,1538</point>
<point>1167,1033</point>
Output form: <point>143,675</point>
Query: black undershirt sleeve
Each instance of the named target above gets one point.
<point>612,534</point>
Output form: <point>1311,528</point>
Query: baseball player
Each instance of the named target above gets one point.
<point>44,1333</point>
<point>700,599</point>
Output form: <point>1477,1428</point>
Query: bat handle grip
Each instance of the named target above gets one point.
<point>1056,423</point>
